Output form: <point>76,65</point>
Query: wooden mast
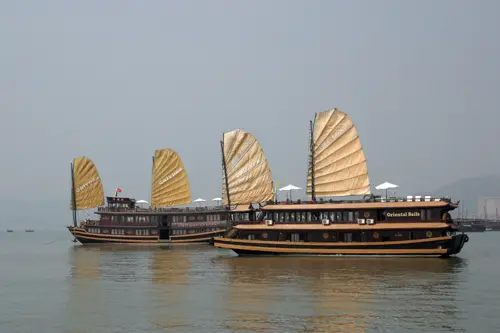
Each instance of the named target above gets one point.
<point>73,195</point>
<point>311,149</point>
<point>225,172</point>
<point>152,172</point>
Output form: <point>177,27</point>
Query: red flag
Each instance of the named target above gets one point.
<point>119,190</point>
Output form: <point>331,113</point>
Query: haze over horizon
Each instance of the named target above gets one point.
<point>114,81</point>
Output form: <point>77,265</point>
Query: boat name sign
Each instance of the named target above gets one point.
<point>403,214</point>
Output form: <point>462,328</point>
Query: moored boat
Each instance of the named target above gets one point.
<point>368,226</point>
<point>123,221</point>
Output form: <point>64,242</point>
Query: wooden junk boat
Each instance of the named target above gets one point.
<point>123,221</point>
<point>372,226</point>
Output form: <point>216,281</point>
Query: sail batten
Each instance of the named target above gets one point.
<point>246,175</point>
<point>87,186</point>
<point>170,184</point>
<point>337,165</point>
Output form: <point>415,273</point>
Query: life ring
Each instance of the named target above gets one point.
<point>466,239</point>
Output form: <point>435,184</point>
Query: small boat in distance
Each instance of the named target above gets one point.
<point>123,221</point>
<point>10,230</point>
<point>29,230</point>
<point>371,226</point>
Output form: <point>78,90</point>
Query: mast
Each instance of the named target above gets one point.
<point>311,147</point>
<point>225,171</point>
<point>73,195</point>
<point>152,172</point>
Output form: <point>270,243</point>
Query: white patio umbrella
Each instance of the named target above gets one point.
<point>218,200</point>
<point>141,202</point>
<point>289,188</point>
<point>200,200</point>
<point>385,186</point>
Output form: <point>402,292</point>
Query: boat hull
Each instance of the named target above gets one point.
<point>85,237</point>
<point>435,247</point>
<point>472,228</point>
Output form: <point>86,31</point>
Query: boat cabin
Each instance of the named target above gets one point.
<point>122,216</point>
<point>347,222</point>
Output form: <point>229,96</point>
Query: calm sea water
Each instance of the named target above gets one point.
<point>49,284</point>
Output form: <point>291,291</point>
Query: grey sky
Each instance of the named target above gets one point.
<point>115,80</point>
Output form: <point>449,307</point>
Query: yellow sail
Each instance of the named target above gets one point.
<point>337,160</point>
<point>170,186</point>
<point>249,178</point>
<point>88,191</point>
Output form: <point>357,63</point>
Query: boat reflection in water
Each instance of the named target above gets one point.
<point>340,294</point>
<point>187,288</point>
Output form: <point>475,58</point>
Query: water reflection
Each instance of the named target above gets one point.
<point>199,288</point>
<point>341,294</point>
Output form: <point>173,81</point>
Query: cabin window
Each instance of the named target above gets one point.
<point>338,216</point>
<point>411,235</point>
<point>348,237</point>
<point>298,216</point>
<point>350,216</point>
<point>292,217</point>
<point>363,236</point>
<point>422,214</point>
<point>130,219</point>
<point>356,216</point>
<point>251,236</point>
<point>429,214</point>
<point>295,237</point>
<point>308,217</point>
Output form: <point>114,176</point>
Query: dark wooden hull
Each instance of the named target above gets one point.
<point>86,237</point>
<point>437,247</point>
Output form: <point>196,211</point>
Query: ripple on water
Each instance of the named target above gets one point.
<point>123,288</point>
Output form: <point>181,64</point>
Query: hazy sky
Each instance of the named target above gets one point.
<point>115,80</point>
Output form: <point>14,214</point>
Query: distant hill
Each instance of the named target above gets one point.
<point>470,189</point>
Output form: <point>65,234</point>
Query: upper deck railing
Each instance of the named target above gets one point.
<point>409,198</point>
<point>416,198</point>
<point>160,210</point>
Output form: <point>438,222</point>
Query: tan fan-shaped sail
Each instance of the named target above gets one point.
<point>337,160</point>
<point>170,186</point>
<point>88,191</point>
<point>249,178</point>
